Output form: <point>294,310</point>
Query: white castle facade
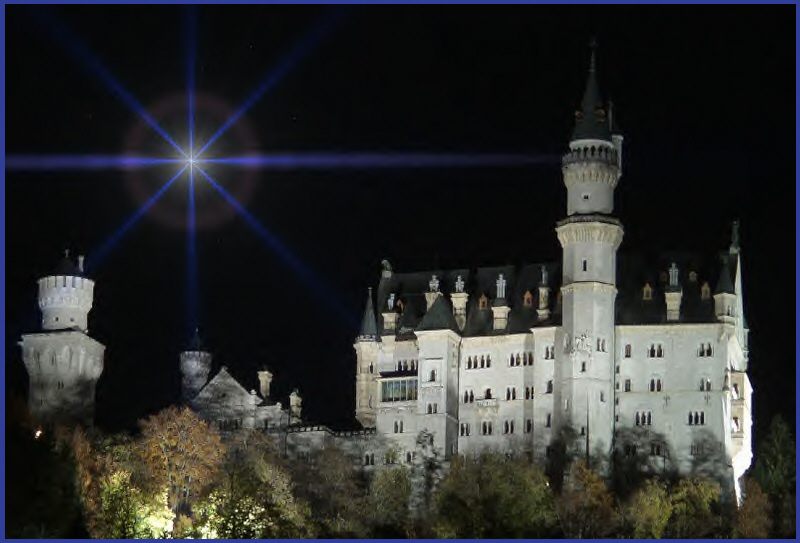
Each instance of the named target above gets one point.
<point>624,357</point>
<point>511,358</point>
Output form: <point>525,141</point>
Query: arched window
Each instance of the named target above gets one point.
<point>658,385</point>
<point>527,393</point>
<point>511,360</point>
<point>518,359</point>
<point>583,367</point>
<point>638,421</point>
<point>548,420</point>
<point>430,409</point>
<point>514,393</point>
<point>488,394</point>
<point>483,302</point>
<point>483,361</point>
<point>549,387</point>
<point>433,376</point>
<point>647,292</point>
<point>659,351</point>
<point>628,350</point>
<point>471,397</point>
<point>488,361</point>
<point>371,368</point>
<point>508,394</point>
<point>466,397</point>
<point>705,291</point>
<point>652,385</point>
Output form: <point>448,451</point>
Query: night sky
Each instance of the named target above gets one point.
<point>703,96</point>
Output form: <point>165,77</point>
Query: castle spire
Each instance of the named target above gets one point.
<point>590,119</point>
<point>369,327</point>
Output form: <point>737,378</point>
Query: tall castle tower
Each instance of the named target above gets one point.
<point>590,237</point>
<point>62,361</point>
<point>195,367</point>
<point>366,347</point>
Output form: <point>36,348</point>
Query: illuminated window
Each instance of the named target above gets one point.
<point>647,292</point>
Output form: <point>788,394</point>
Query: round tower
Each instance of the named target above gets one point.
<point>62,361</point>
<point>195,367</point>
<point>590,237</point>
<point>65,297</point>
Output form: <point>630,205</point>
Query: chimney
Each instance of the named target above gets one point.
<point>265,379</point>
<point>459,299</point>
<point>80,263</point>
<point>389,314</point>
<point>295,406</point>
<point>673,295</point>
<point>543,310</point>
<point>433,293</point>
<point>500,307</point>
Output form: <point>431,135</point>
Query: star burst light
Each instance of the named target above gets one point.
<point>191,160</point>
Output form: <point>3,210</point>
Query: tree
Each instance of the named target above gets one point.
<point>181,453</point>
<point>775,472</point>
<point>494,496</point>
<point>114,503</point>
<point>253,498</point>
<point>754,518</point>
<point>585,507</point>
<point>389,501</point>
<point>695,503</point>
<point>649,510</point>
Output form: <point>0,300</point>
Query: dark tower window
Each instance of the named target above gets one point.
<point>584,264</point>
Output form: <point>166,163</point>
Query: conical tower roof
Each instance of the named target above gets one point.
<point>369,326</point>
<point>591,121</point>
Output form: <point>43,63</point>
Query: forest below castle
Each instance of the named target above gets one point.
<point>176,477</point>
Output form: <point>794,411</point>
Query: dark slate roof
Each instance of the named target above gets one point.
<point>67,266</point>
<point>439,316</point>
<point>410,288</point>
<point>633,271</point>
<point>195,343</point>
<point>724,283</point>
<point>369,327</point>
<point>591,121</point>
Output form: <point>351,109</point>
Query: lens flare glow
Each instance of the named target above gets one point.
<point>99,255</point>
<point>309,278</point>
<point>84,162</point>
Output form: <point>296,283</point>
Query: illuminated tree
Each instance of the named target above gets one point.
<point>115,506</point>
<point>181,453</point>
<point>494,496</point>
<point>695,502</point>
<point>649,510</point>
<point>389,501</point>
<point>585,507</point>
<point>253,498</point>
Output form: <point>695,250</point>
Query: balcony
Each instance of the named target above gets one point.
<point>491,402</point>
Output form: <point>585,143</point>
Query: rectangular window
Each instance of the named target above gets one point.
<point>529,426</point>
<point>548,421</point>
<point>585,264</point>
<point>628,350</point>
<point>627,385</point>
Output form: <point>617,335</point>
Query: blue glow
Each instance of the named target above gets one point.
<point>97,256</point>
<point>297,161</point>
<point>191,57</point>
<point>310,279</point>
<point>191,260</point>
<point>310,39</point>
<point>84,162</point>
<point>81,52</point>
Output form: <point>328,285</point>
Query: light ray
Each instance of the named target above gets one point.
<point>81,52</point>
<point>383,160</point>
<point>192,316</point>
<point>34,162</point>
<point>97,256</point>
<point>301,49</point>
<point>191,57</point>
<point>309,278</point>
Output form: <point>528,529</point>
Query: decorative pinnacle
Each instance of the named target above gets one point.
<point>593,46</point>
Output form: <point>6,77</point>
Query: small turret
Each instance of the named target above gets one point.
<point>295,407</point>
<point>265,381</point>
<point>195,363</point>
<point>543,312</point>
<point>65,297</point>
<point>500,307</point>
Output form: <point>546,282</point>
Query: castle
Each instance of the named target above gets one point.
<point>624,359</point>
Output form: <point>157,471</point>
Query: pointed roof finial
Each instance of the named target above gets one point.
<point>735,236</point>
<point>593,47</point>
